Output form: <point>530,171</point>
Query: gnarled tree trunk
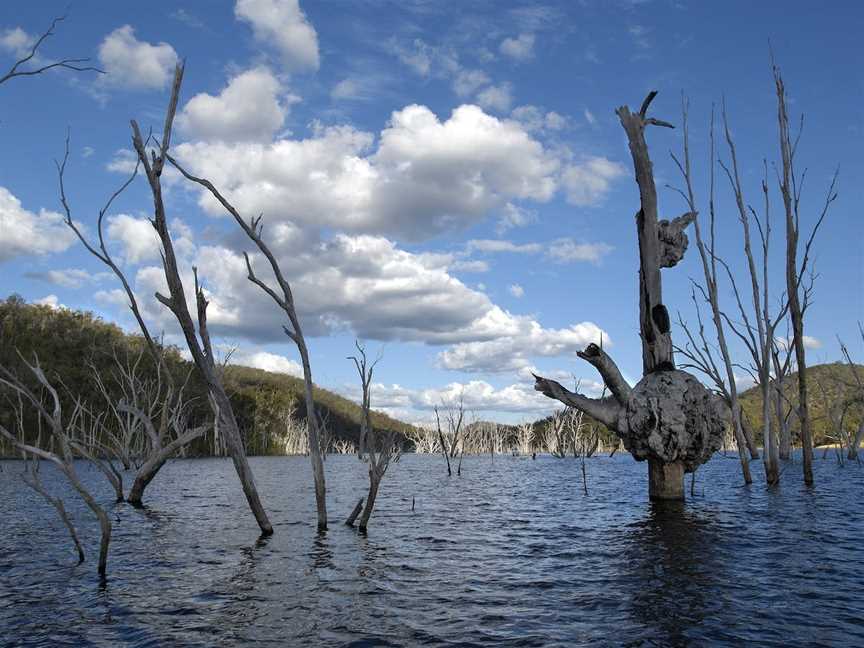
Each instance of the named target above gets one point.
<point>669,417</point>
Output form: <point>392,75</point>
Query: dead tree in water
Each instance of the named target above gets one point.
<point>197,341</point>
<point>701,356</point>
<point>668,418</point>
<point>61,429</point>
<point>377,448</point>
<point>284,299</point>
<point>450,443</point>
<point>525,438</point>
<point>796,288</point>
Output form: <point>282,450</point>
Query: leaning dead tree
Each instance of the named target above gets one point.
<point>153,160</point>
<point>61,428</point>
<point>669,418</point>
<point>21,68</point>
<point>376,447</point>
<point>284,299</point>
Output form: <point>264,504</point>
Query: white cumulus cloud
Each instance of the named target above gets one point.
<point>24,233</point>
<point>588,182</point>
<point>131,63</point>
<point>282,25</point>
<point>249,108</point>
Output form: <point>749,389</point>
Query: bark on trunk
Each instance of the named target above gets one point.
<point>374,481</point>
<point>200,349</point>
<point>665,480</point>
<point>747,433</point>
<point>314,442</point>
<point>355,513</point>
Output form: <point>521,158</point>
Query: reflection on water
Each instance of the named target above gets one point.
<point>512,553</point>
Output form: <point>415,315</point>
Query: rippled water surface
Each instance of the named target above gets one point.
<point>511,553</point>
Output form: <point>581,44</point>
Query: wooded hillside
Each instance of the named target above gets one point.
<point>70,344</point>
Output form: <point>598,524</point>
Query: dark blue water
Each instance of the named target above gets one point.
<point>512,553</point>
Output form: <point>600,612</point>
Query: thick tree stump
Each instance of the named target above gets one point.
<point>665,480</point>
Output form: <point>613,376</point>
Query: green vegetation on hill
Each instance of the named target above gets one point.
<point>68,343</point>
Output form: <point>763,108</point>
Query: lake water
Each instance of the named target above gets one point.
<point>512,553</point>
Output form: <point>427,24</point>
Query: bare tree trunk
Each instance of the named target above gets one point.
<point>154,463</point>
<point>374,482</point>
<point>750,442</point>
<point>314,444</point>
<point>285,301</point>
<point>664,394</point>
<point>790,188</point>
<point>61,438</point>
<point>355,513</point>
<point>200,349</point>
<point>665,480</point>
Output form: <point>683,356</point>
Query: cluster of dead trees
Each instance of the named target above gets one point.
<point>151,418</point>
<point>770,328</point>
<point>150,422</point>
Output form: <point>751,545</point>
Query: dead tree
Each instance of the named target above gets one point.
<point>525,438</point>
<point>425,439</point>
<point>669,417</point>
<point>791,185</point>
<point>376,447</point>
<point>61,428</point>
<point>759,348</point>
<point>74,64</point>
<point>450,442</point>
<point>585,440</point>
<point>197,341</point>
<point>283,298</point>
<point>558,437</point>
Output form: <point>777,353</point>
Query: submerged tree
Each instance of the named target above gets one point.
<point>669,417</point>
<point>284,299</point>
<point>154,410</point>
<point>791,185</point>
<point>450,442</point>
<point>377,448</point>
<point>152,160</point>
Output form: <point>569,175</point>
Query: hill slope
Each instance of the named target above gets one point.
<point>68,342</point>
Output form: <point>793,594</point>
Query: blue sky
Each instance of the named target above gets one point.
<point>445,179</point>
